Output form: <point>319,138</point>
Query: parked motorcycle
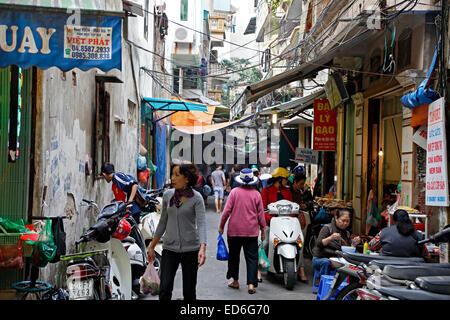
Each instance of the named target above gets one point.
<point>357,268</point>
<point>313,229</point>
<point>285,241</point>
<point>149,222</point>
<point>103,270</point>
<point>414,282</point>
<point>137,252</point>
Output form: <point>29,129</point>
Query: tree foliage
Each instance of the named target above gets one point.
<point>247,75</point>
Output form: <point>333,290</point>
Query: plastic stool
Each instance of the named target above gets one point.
<point>325,287</point>
<point>317,275</point>
<point>314,287</point>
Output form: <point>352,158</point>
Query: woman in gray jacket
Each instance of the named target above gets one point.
<point>183,224</point>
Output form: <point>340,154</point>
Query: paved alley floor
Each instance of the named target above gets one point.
<point>212,282</point>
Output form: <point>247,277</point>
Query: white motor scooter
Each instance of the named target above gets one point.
<point>285,241</point>
<point>147,227</point>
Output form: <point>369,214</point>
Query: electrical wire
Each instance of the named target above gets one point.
<point>252,66</point>
<point>269,32</point>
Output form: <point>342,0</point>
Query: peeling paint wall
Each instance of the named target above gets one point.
<point>65,127</point>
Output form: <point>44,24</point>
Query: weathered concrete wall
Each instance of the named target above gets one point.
<point>65,136</point>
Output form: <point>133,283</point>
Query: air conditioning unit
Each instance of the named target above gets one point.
<point>184,35</point>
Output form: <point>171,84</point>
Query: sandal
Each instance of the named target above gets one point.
<point>231,285</point>
<point>251,291</point>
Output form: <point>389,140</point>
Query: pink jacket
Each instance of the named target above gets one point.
<point>245,209</point>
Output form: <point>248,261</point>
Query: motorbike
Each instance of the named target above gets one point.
<point>102,271</point>
<point>357,268</point>
<point>422,281</point>
<point>149,222</point>
<point>285,241</point>
<point>135,247</point>
<point>313,229</point>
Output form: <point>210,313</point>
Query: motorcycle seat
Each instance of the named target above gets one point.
<point>403,293</point>
<point>366,258</point>
<point>383,263</point>
<point>412,272</point>
<point>439,284</point>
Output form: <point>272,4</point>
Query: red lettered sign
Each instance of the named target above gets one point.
<point>325,126</point>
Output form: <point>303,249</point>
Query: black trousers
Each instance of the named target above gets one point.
<point>169,264</point>
<point>250,245</point>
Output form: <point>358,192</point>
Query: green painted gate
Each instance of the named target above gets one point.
<point>14,176</point>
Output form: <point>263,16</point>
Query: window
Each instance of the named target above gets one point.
<point>176,80</point>
<point>184,10</point>
<point>404,49</point>
<point>102,116</point>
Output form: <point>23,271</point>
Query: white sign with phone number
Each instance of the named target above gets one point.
<point>437,181</point>
<point>87,43</point>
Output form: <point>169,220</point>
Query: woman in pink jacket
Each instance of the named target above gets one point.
<point>245,211</point>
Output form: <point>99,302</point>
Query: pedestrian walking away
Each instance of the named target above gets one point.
<point>245,212</point>
<point>218,183</point>
<point>183,224</point>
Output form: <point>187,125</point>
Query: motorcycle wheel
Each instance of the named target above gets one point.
<point>289,274</point>
<point>349,292</point>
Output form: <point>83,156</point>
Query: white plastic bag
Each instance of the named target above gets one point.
<point>150,281</point>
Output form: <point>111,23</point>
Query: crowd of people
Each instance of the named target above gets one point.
<point>242,199</point>
<point>243,210</point>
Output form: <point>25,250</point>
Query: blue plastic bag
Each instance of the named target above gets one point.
<point>423,94</point>
<point>222,251</point>
<point>141,163</point>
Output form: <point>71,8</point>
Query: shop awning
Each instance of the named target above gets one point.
<point>196,94</point>
<point>202,129</point>
<point>45,37</point>
<point>151,105</point>
<point>173,105</point>
<point>192,117</point>
<point>305,70</point>
<point>294,104</point>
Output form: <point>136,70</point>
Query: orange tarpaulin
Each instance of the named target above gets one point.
<point>190,118</point>
<point>419,115</point>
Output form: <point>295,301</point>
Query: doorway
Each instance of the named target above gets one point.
<point>390,150</point>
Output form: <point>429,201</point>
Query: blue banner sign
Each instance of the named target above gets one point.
<point>47,38</point>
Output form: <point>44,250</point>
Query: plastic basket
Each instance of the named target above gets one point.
<point>325,287</point>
